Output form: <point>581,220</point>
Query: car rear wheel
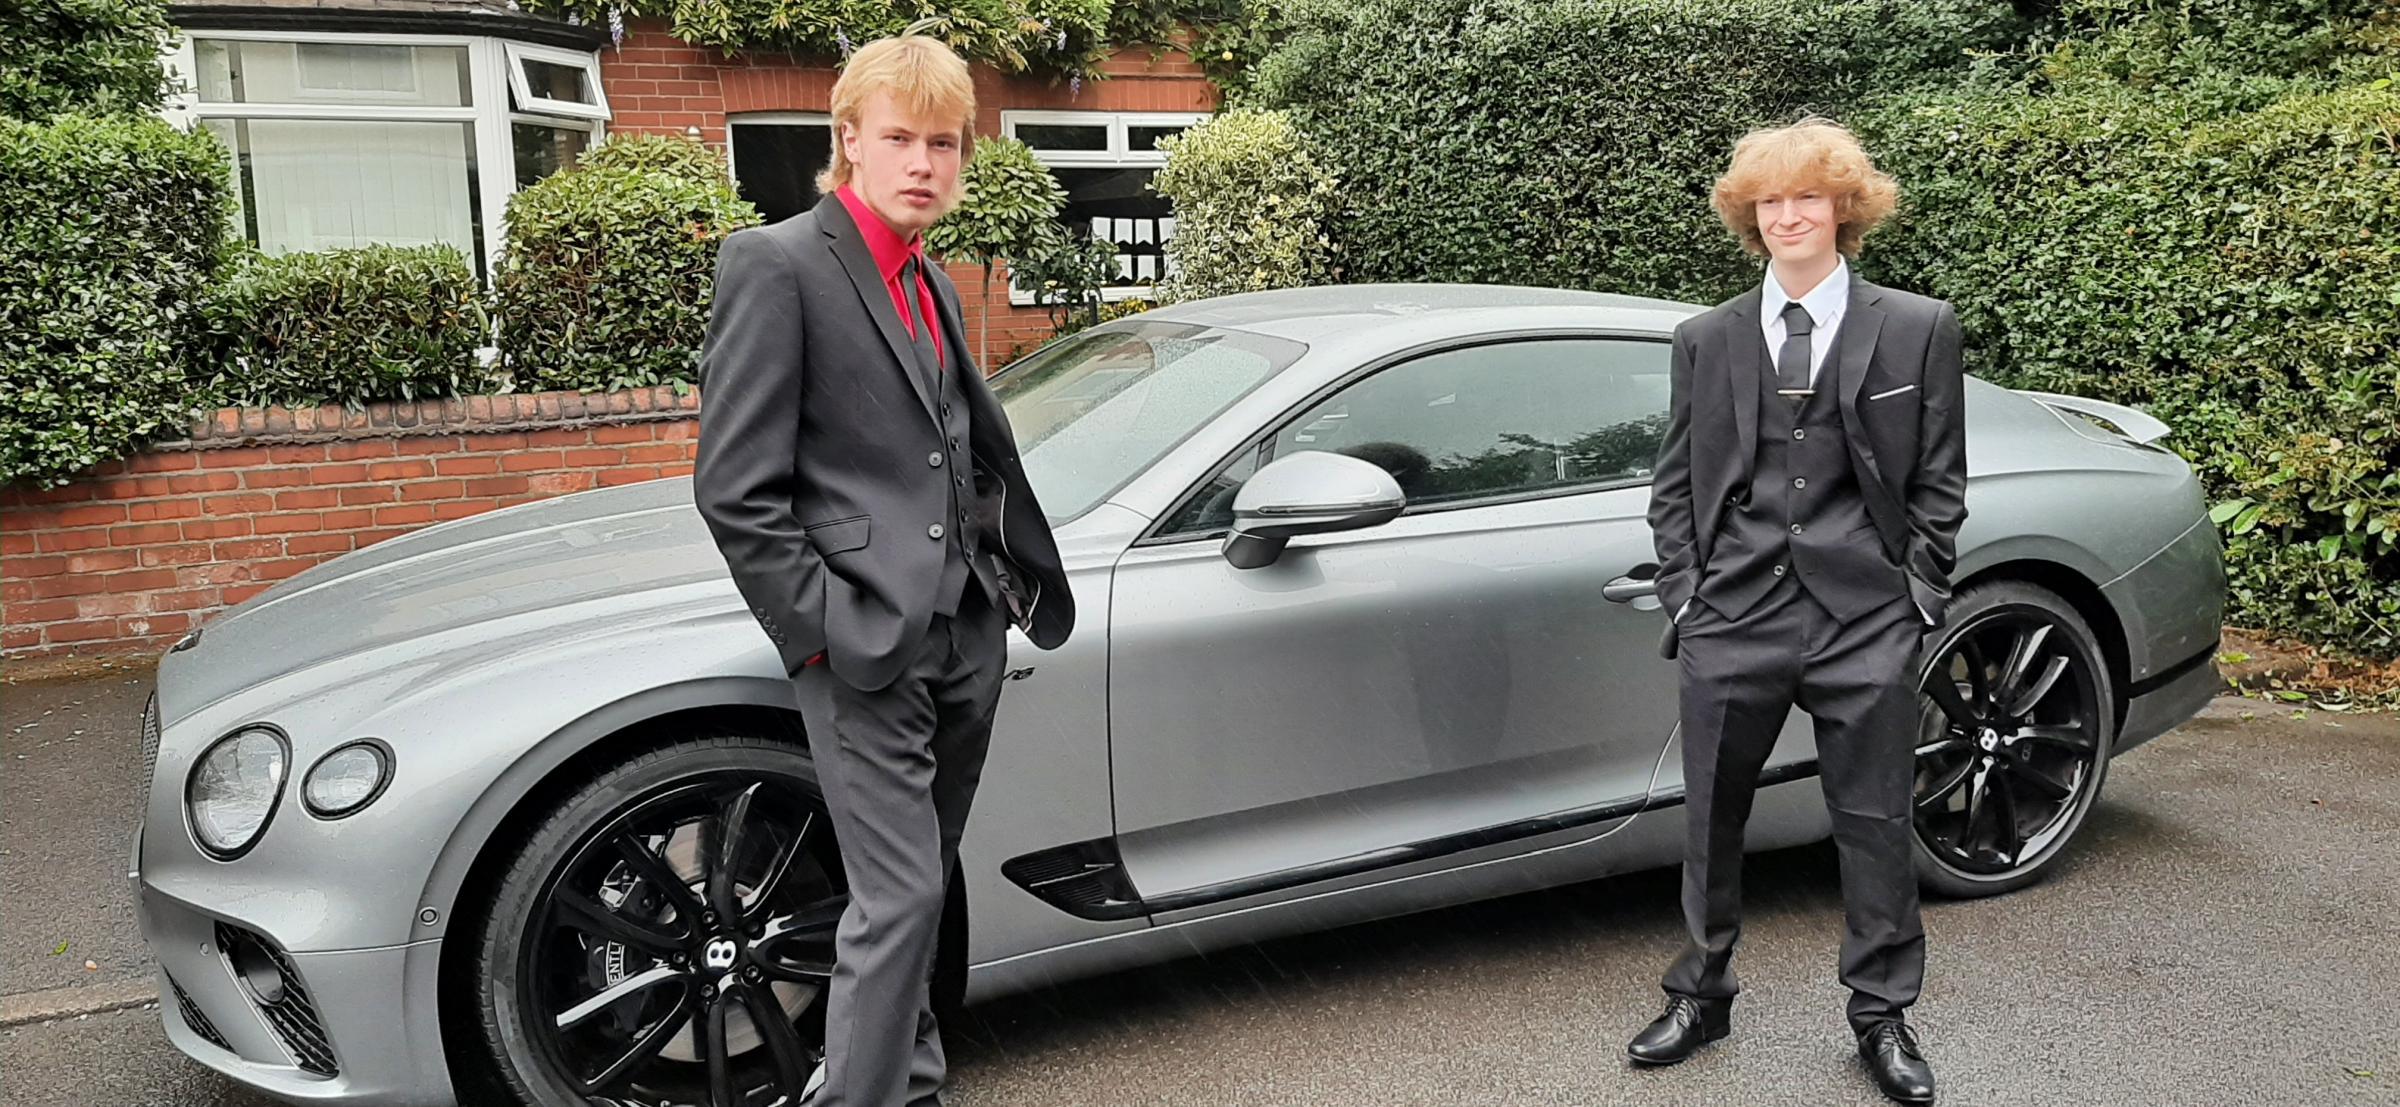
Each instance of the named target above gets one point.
<point>2016,721</point>
<point>665,936</point>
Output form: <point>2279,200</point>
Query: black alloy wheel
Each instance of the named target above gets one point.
<point>666,937</point>
<point>2016,721</point>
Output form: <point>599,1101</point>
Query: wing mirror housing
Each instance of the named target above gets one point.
<point>1311,492</point>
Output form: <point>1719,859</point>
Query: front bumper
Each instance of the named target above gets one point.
<point>340,1033</point>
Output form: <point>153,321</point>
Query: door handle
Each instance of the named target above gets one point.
<point>1642,593</point>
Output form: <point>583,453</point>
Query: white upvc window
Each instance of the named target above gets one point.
<point>1105,161</point>
<point>353,139</point>
<point>775,157</point>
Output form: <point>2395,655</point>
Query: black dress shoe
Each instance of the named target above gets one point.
<point>1687,1024</point>
<point>1890,1050</point>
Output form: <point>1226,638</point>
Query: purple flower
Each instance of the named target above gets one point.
<point>841,38</point>
<point>1075,86</point>
<point>616,26</point>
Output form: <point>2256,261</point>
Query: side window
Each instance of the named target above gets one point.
<point>1504,419</point>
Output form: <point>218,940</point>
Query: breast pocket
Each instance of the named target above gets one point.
<point>1891,393</point>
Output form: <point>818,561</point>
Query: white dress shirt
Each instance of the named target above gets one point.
<point>1824,304</point>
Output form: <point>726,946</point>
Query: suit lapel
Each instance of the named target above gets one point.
<point>1862,321</point>
<point>859,262</point>
<point>1746,357</point>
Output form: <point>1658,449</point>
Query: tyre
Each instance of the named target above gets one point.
<point>665,934</point>
<point>2016,720</point>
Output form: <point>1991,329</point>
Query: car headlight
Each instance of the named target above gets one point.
<point>349,778</point>
<point>234,788</point>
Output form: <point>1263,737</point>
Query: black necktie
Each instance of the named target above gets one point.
<point>1791,366</point>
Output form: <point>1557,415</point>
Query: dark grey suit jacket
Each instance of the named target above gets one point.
<point>817,471</point>
<point>1901,389</point>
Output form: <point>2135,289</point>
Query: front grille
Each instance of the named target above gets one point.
<point>149,742</point>
<point>197,1019</point>
<point>294,1016</point>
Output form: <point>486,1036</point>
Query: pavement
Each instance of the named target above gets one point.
<point>2223,933</point>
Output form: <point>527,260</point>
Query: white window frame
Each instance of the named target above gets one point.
<point>489,71</point>
<point>1119,155</point>
<point>521,52</point>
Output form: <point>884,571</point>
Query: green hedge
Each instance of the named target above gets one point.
<point>349,326</point>
<point>95,56</point>
<point>1053,36</point>
<point>604,282</point>
<point>1572,142</point>
<point>1251,207</point>
<point>2234,272</point>
<point>110,230</point>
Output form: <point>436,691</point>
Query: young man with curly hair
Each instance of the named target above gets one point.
<point>1806,513</point>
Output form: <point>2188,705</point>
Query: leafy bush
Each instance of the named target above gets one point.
<point>1009,210</point>
<point>1567,143</point>
<point>349,326</point>
<point>2230,269</point>
<point>1251,208</point>
<point>1056,36</point>
<point>670,154</point>
<point>95,56</point>
<point>109,232</point>
<point>605,280</point>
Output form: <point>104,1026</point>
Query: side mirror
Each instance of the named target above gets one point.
<point>1311,492</point>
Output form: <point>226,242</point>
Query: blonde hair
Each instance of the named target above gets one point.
<point>924,76</point>
<point>1816,153</point>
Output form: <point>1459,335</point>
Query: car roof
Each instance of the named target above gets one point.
<point>1314,315</point>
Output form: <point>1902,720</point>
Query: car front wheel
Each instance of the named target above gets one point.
<point>666,935</point>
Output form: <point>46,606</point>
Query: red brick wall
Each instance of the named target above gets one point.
<point>657,82</point>
<point>132,555</point>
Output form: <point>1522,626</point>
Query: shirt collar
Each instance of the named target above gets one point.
<point>883,242</point>
<point>1822,302</point>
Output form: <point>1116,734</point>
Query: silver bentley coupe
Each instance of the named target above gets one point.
<point>1367,627</point>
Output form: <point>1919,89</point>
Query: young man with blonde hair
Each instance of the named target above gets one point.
<point>864,487</point>
<point>1806,513</point>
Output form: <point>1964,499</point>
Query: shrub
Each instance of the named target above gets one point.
<point>1056,36</point>
<point>604,283</point>
<point>670,154</point>
<point>1567,143</point>
<point>109,231</point>
<point>1251,208</point>
<point>2230,269</point>
<point>349,326</point>
<point>1009,207</point>
<point>96,56</point>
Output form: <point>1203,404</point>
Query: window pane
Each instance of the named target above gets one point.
<point>1503,419</point>
<point>1064,136</point>
<point>552,81</point>
<point>321,184</point>
<point>542,149</point>
<point>242,72</point>
<point>1116,205</point>
<point>1093,410</point>
<point>775,165</point>
<point>1144,140</point>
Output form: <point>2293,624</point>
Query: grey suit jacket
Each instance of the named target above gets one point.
<point>1901,389</point>
<point>822,466</point>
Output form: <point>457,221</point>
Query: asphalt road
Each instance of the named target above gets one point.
<point>2224,934</point>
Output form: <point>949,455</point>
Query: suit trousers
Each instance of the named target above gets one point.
<point>1740,680</point>
<point>899,767</point>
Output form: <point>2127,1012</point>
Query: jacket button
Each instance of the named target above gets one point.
<point>1798,434</point>
<point>1795,528</point>
<point>1779,570</point>
<point>934,531</point>
<point>934,459</point>
<point>1799,482</point>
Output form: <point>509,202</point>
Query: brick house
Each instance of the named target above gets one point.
<point>357,121</point>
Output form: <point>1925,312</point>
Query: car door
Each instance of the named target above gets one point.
<point>1453,681</point>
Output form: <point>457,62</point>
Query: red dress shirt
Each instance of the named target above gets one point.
<point>890,254</point>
